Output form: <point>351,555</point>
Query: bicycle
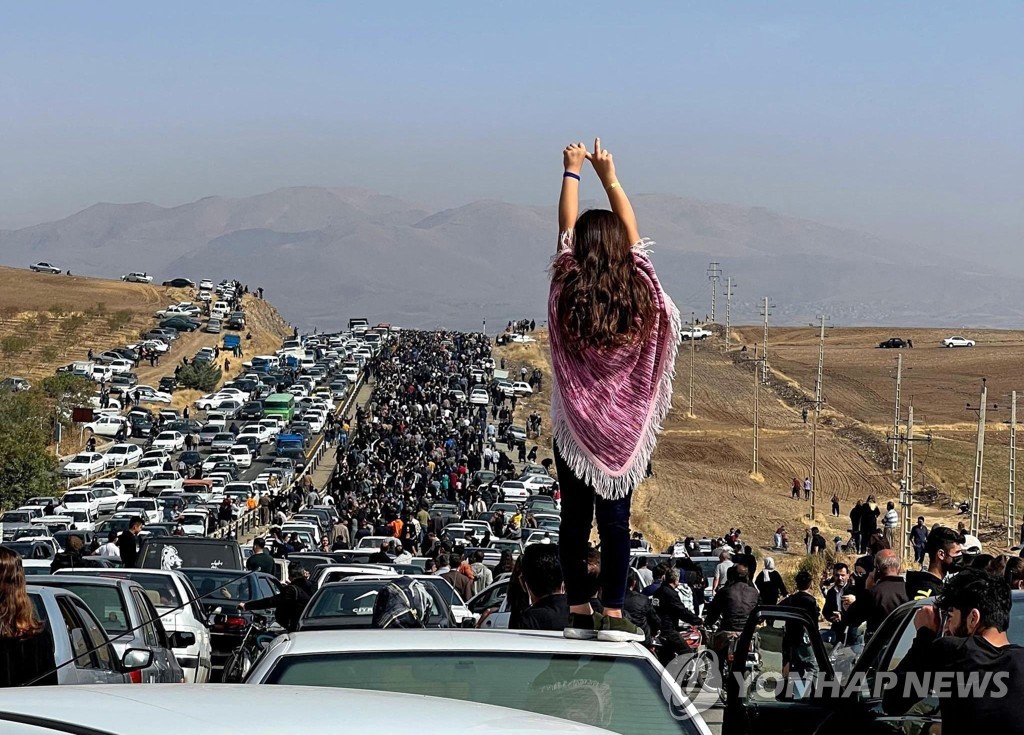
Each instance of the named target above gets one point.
<point>240,661</point>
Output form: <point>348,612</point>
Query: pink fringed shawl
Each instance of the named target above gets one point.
<point>608,404</point>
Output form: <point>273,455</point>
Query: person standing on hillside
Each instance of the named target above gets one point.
<point>614,334</point>
<point>890,524</point>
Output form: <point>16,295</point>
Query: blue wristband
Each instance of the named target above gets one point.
<point>571,175</point>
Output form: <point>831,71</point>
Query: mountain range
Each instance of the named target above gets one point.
<point>326,254</point>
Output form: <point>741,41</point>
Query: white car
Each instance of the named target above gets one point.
<point>215,400</point>
<point>121,367</point>
<point>521,338</point>
<point>522,389</point>
<point>106,425</point>
<point>479,397</point>
<point>514,491</point>
<point>148,508</point>
<point>147,394</point>
<point>122,455</point>
<point>213,459</point>
<point>165,481</point>
<point>206,285</point>
<point>154,345</point>
<point>172,441</point>
<point>615,682</point>
<point>273,426</point>
<point>85,465</point>
<point>137,277</point>
<point>45,267</point>
<point>534,483</point>
<point>110,501</point>
<point>958,342</point>
<point>80,500</point>
<point>184,308</point>
<point>696,334</point>
<point>457,396</point>
<point>204,296</point>
<point>242,455</point>
<point>259,431</point>
<point>151,465</point>
<point>135,480</point>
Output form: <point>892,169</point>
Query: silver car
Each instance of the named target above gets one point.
<point>76,633</point>
<point>128,618</point>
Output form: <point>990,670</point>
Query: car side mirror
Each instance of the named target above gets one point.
<point>182,639</point>
<point>136,659</point>
<point>468,623</point>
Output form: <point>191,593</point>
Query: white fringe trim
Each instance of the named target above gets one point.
<point>605,485</point>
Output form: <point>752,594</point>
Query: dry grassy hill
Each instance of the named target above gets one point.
<point>50,320</point>
<point>702,480</point>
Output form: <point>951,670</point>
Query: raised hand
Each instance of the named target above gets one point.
<point>602,162</point>
<point>573,157</point>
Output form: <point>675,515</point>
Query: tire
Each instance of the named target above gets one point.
<point>234,668</point>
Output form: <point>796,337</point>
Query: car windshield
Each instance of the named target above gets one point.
<point>345,601</point>
<point>106,604</point>
<point>620,694</point>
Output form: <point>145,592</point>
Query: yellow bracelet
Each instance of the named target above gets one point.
<point>613,185</point>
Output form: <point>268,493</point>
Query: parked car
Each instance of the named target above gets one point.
<point>164,480</point>
<point>181,324</point>
<point>177,602</point>
<point>78,636</point>
<point>958,342</point>
<point>494,667</point>
<point>135,480</point>
<point>128,618</point>
<point>44,267</point>
<point>122,455</point>
<point>137,277</point>
<point>110,500</point>
<point>178,553</point>
<point>893,343</point>
<point>220,593</point>
<point>213,326</point>
<point>105,425</point>
<point>85,464</point>
<point>180,283</point>
<point>171,441</point>
<point>522,389</point>
<point>146,508</point>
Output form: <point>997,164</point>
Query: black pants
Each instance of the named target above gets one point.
<point>579,503</point>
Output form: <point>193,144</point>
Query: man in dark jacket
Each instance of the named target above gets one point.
<point>128,543</point>
<point>261,560</point>
<point>671,612</point>
<point>885,590</point>
<point>290,602</point>
<point>855,513</point>
<point>869,513</point>
<point>72,557</point>
<point>542,576</point>
<point>639,609</point>
<point>833,611</point>
<point>734,602</point>
<point>797,654</point>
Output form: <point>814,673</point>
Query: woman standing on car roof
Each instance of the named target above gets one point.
<point>614,334</point>
<point>26,646</point>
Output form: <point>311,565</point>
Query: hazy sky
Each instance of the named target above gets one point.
<point>903,119</point>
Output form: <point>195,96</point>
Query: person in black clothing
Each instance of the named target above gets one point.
<point>945,553</point>
<point>290,602</point>
<point>671,612</point>
<point>26,644</point>
<point>869,513</point>
<point>855,513</point>
<point>797,654</point>
<point>974,642</point>
<point>884,591</point>
<point>542,577</point>
<point>770,584</point>
<point>261,560</point>
<point>834,611</point>
<point>73,556</point>
<point>128,543</point>
<point>818,542</point>
<point>640,609</point>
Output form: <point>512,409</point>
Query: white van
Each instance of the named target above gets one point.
<point>220,309</point>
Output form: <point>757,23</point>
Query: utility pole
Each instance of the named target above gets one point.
<point>728,311</point>
<point>1011,512</point>
<point>896,416</point>
<point>757,414</point>
<point>907,482</point>
<point>714,273</point>
<point>979,460</point>
<point>693,350</point>
<point>907,491</point>
<point>817,414</point>
<point>765,312</point>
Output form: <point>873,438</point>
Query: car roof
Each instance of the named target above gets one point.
<point>215,708</point>
<point>456,639</point>
<point>94,580</point>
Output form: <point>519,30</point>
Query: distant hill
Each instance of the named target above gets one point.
<point>323,255</point>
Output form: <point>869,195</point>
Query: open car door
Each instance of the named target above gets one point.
<point>777,690</point>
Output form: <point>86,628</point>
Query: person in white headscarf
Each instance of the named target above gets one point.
<point>769,583</point>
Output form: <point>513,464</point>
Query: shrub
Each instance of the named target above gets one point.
<point>58,310</point>
<point>119,319</point>
<point>204,376</point>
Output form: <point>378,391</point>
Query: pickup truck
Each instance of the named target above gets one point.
<point>290,446</point>
<point>696,333</point>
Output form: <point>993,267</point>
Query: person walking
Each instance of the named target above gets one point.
<point>795,493</point>
<point>614,334</point>
<point>807,488</point>
<point>128,543</point>
<point>835,505</point>
<point>26,649</point>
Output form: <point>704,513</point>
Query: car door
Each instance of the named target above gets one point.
<point>164,669</point>
<point>96,661</point>
<point>782,650</point>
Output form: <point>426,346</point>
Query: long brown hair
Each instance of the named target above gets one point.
<point>604,301</point>
<point>17,617</point>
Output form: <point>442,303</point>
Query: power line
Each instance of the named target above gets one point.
<point>765,312</point>
<point>728,311</point>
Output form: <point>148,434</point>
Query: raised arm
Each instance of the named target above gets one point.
<point>569,201</point>
<point>617,199</point>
